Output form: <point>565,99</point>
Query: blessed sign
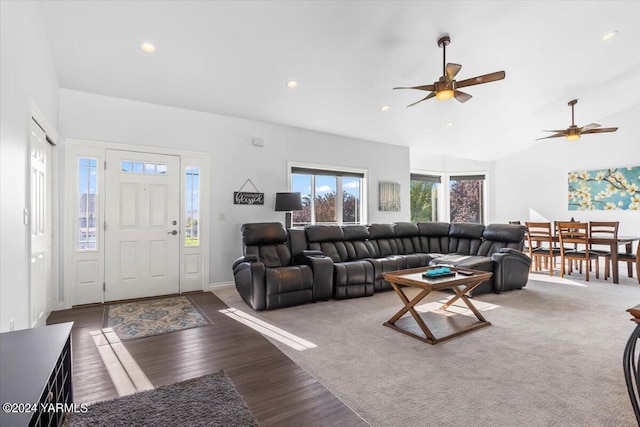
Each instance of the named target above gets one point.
<point>243,198</point>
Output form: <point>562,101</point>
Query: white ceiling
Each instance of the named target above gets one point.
<point>234,58</point>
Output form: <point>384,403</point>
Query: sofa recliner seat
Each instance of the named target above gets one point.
<point>266,276</point>
<point>348,248</point>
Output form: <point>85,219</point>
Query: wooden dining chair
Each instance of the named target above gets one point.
<point>576,234</point>
<point>540,242</point>
<point>630,258</point>
<point>606,230</point>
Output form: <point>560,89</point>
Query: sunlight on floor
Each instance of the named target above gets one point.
<point>544,277</point>
<point>125,373</point>
<point>269,330</point>
<point>457,308</point>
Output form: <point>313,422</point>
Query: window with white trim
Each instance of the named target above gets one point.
<point>328,196</point>
<point>467,198</point>
<point>424,193</point>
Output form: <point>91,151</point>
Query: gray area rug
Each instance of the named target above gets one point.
<point>552,357</point>
<point>210,400</point>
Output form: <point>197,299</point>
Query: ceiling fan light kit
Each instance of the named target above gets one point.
<point>447,87</point>
<point>573,132</point>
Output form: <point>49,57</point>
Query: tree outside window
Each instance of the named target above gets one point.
<point>424,197</point>
<point>466,198</point>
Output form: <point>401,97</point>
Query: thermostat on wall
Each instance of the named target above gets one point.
<point>258,142</point>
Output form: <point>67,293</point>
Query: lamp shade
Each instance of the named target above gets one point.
<point>286,202</point>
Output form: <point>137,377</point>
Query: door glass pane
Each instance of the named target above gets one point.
<point>424,201</point>
<point>351,199</point>
<point>192,204</point>
<point>325,199</point>
<point>301,183</point>
<point>466,200</point>
<point>87,203</point>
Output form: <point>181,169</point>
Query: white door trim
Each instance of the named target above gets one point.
<point>34,113</point>
<point>97,149</point>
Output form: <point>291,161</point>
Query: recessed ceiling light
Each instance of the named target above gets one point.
<point>292,84</point>
<point>148,47</point>
<point>609,36</point>
<point>449,124</point>
<point>498,135</point>
<point>385,108</point>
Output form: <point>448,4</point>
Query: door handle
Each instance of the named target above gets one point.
<point>174,232</point>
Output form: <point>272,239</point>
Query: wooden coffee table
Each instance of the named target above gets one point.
<point>459,283</point>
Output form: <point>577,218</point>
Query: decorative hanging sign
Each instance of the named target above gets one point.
<point>244,198</point>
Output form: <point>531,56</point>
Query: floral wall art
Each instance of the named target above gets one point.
<point>605,189</point>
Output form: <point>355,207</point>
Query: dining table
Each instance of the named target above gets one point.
<point>614,244</point>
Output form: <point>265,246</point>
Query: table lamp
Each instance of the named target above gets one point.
<point>287,202</point>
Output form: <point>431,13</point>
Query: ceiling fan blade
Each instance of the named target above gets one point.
<point>424,87</point>
<point>431,95</point>
<point>452,70</point>
<point>461,96</point>
<point>555,130</point>
<point>491,77</point>
<point>603,130</point>
<point>557,135</point>
<point>589,127</point>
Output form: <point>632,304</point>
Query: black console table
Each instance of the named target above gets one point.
<point>35,375</point>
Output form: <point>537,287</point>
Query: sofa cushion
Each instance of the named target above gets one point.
<point>288,279</point>
<point>263,233</point>
<point>407,237</point>
<point>353,279</point>
<point>382,237</point>
<point>465,238</point>
<point>356,243</point>
<point>434,237</point>
<point>498,236</point>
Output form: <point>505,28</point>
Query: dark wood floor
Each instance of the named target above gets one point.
<point>276,389</point>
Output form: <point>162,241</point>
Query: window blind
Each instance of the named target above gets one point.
<point>426,178</point>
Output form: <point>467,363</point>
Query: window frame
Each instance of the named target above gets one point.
<point>339,171</point>
<point>444,196</point>
<point>485,192</point>
<point>440,179</point>
<point>97,214</point>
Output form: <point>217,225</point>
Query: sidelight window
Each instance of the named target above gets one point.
<point>192,206</point>
<point>87,203</point>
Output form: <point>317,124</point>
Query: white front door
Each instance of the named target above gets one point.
<point>41,226</point>
<point>142,217</point>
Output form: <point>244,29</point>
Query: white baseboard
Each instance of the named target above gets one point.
<point>220,285</point>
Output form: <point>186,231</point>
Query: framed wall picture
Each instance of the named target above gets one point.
<point>389,197</point>
<point>604,189</point>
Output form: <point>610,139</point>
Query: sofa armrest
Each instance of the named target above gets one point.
<point>246,258</point>
<point>322,267</point>
<point>309,252</point>
<point>511,270</point>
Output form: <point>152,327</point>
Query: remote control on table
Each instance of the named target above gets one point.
<point>465,273</point>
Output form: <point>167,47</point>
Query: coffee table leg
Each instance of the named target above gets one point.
<point>461,294</point>
<point>409,306</point>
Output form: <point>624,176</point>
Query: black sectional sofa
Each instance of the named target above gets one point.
<point>289,267</point>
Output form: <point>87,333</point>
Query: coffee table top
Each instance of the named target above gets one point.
<point>414,277</point>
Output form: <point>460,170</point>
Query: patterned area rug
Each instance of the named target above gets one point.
<point>153,317</point>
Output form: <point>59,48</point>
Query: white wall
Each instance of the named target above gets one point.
<point>26,72</point>
<point>534,181</point>
<point>234,158</point>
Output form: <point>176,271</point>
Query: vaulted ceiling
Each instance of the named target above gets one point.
<point>234,58</point>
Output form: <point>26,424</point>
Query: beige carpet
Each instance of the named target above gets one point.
<point>552,357</point>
